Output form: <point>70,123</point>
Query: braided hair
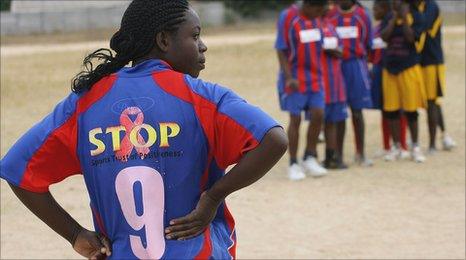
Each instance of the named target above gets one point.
<point>142,20</point>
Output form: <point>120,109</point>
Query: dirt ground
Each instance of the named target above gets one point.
<point>391,210</point>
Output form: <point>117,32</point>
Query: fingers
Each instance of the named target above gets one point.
<point>183,227</point>
<point>107,250</point>
<point>183,220</point>
<point>186,234</point>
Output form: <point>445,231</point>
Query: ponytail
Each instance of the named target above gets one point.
<point>142,20</point>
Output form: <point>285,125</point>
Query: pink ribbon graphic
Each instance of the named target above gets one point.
<point>126,147</point>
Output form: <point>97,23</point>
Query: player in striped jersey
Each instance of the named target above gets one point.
<point>335,98</point>
<point>299,56</point>
<point>354,28</point>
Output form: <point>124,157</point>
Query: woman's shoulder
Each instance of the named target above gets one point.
<point>212,92</point>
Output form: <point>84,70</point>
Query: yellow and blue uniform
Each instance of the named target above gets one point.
<point>432,63</point>
<point>402,81</point>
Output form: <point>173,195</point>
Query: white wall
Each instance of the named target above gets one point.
<point>28,17</point>
<point>34,6</point>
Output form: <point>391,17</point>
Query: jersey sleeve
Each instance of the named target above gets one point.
<point>419,28</point>
<point>46,154</point>
<point>281,41</point>
<point>237,127</point>
<point>370,33</point>
<point>432,18</point>
<point>418,25</point>
<point>430,14</point>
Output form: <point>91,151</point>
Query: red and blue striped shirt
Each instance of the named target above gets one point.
<point>334,84</point>
<point>148,141</point>
<point>354,27</point>
<point>282,42</point>
<point>306,46</point>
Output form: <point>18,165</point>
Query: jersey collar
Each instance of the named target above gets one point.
<point>144,68</point>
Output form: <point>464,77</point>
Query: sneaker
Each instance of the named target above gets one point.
<point>363,161</point>
<point>404,154</point>
<point>341,165</point>
<point>381,153</point>
<point>417,156</point>
<point>432,151</point>
<point>313,167</point>
<point>295,172</point>
<point>392,155</point>
<point>448,143</point>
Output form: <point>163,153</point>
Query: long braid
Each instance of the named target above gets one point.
<point>142,20</point>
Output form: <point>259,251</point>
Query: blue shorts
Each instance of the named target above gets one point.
<point>376,87</point>
<point>358,88</point>
<point>296,102</point>
<point>336,112</point>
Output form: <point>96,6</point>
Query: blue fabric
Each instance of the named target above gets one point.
<point>432,54</point>
<point>376,89</point>
<point>357,83</point>
<point>249,117</point>
<point>171,173</point>
<point>296,102</point>
<point>336,112</point>
<point>13,165</point>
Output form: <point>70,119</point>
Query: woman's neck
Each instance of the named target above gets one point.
<point>153,55</point>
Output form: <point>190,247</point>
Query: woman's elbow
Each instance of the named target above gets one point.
<point>279,139</point>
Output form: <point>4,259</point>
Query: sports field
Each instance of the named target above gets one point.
<point>392,210</point>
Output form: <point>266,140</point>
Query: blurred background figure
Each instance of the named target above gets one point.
<point>354,27</point>
<point>336,110</point>
<point>433,71</point>
<point>381,9</point>
<point>298,45</point>
<point>403,85</point>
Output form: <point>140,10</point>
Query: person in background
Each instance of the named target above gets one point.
<point>402,81</point>
<point>299,49</point>
<point>433,71</point>
<point>336,110</point>
<point>381,8</point>
<point>354,27</point>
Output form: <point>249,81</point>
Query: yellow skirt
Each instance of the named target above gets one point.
<point>405,90</point>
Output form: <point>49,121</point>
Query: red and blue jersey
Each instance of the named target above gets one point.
<point>306,46</point>
<point>378,46</point>
<point>148,141</point>
<point>334,84</point>
<point>354,27</point>
<point>282,42</point>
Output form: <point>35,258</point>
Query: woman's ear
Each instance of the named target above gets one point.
<point>162,41</point>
